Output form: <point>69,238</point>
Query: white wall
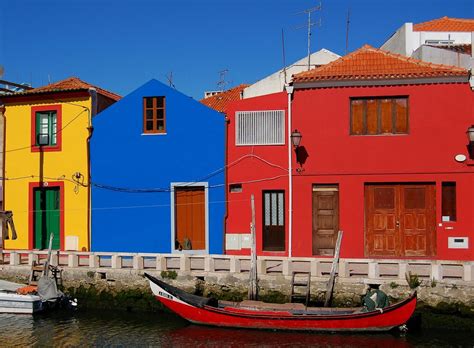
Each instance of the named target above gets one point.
<point>442,56</point>
<point>275,82</point>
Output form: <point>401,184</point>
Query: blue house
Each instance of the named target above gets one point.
<point>157,170</point>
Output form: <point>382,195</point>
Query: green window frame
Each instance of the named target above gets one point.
<point>46,126</point>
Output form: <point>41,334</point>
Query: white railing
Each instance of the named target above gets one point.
<point>351,270</point>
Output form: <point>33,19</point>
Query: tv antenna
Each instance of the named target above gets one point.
<point>308,25</point>
<point>283,53</point>
<point>222,83</point>
<point>169,77</point>
<point>347,28</point>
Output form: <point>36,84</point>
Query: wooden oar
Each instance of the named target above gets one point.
<point>335,262</point>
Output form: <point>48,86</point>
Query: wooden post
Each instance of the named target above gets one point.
<point>335,262</point>
<point>253,291</point>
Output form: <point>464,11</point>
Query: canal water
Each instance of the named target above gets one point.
<point>162,329</point>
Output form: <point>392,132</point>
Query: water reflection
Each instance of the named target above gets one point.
<point>124,329</point>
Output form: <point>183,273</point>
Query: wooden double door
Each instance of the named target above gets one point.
<point>400,220</point>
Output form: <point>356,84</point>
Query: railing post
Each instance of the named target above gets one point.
<point>72,260</point>
<point>314,267</point>
<point>137,262</point>
<point>261,266</point>
<point>342,272</point>
<point>161,263</point>
<point>287,267</point>
<point>32,258</point>
<point>373,270</point>
<point>208,264</point>
<point>116,261</point>
<point>14,258</point>
<point>402,270</point>
<point>467,267</point>
<point>436,271</point>
<point>54,258</point>
<point>234,264</point>
<point>184,263</point>
<point>94,261</point>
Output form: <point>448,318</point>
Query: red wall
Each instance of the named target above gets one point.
<point>439,116</point>
<point>260,164</point>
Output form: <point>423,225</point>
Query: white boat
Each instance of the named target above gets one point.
<point>15,303</point>
<point>11,302</point>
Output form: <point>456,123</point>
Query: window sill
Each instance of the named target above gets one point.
<point>147,134</point>
<point>470,162</point>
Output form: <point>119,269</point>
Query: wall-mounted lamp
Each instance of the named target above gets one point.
<point>296,138</point>
<point>470,137</point>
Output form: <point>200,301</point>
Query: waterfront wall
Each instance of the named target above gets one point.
<point>94,276</point>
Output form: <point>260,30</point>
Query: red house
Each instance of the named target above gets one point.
<point>383,157</point>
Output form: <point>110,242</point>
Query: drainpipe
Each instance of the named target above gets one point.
<point>3,147</point>
<point>90,128</point>
<point>289,91</point>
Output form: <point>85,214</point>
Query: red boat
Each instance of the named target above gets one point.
<point>288,316</point>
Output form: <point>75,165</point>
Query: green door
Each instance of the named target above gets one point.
<point>46,217</point>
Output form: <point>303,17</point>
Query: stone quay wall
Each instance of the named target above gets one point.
<point>116,279</point>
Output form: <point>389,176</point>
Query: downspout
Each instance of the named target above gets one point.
<point>3,147</point>
<point>90,128</point>
<point>226,190</point>
<point>289,91</point>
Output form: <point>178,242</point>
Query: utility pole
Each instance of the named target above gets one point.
<point>310,24</point>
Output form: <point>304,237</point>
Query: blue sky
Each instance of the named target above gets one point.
<point>119,45</point>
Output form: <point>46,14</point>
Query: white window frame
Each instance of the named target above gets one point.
<point>259,137</point>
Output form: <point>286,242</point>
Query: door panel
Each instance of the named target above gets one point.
<point>325,219</point>
<point>190,217</point>
<point>400,220</point>
<point>273,237</point>
<point>46,217</point>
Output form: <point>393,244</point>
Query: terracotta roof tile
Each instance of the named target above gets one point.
<point>68,85</point>
<point>220,101</point>
<point>446,24</point>
<point>369,63</point>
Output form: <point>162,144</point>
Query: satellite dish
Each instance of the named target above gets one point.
<point>2,70</point>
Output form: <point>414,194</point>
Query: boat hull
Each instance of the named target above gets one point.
<point>383,320</point>
<point>24,304</point>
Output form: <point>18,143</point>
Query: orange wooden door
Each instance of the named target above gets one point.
<point>325,219</point>
<point>400,220</point>
<point>190,218</point>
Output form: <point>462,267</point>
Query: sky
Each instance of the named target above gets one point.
<point>121,44</point>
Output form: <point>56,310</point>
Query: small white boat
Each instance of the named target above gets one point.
<point>15,303</point>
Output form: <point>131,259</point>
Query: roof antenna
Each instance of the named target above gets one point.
<point>283,53</point>
<point>222,83</point>
<point>347,28</point>
<point>169,77</point>
<point>49,79</point>
<point>309,25</point>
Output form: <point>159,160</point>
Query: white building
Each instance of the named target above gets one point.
<point>443,41</point>
<point>275,82</point>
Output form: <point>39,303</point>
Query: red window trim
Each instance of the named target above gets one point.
<point>34,110</point>
<point>31,224</point>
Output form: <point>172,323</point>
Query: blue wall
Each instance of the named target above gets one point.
<point>122,157</point>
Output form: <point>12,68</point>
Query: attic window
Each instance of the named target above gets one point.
<point>154,116</point>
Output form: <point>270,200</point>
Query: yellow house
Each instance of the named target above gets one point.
<point>46,154</point>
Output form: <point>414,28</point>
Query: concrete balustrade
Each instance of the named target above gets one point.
<point>348,269</point>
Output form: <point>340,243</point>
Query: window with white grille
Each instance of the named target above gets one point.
<point>260,127</point>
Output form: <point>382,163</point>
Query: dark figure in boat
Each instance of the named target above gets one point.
<point>374,298</point>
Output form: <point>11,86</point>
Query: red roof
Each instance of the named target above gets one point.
<point>369,63</point>
<point>220,101</point>
<point>446,24</point>
<point>68,85</point>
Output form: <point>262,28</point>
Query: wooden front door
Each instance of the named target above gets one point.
<point>190,218</point>
<point>400,220</point>
<point>325,219</point>
<point>46,217</point>
<point>274,220</point>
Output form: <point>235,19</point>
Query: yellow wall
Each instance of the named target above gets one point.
<point>22,164</point>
